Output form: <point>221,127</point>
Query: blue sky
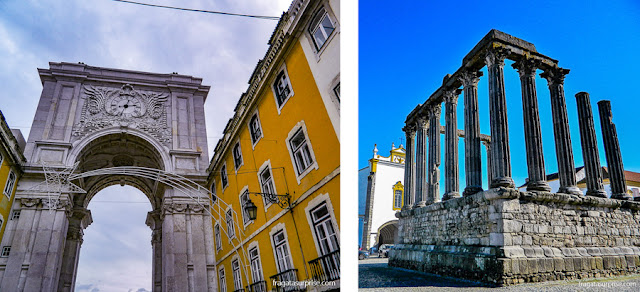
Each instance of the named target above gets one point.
<point>405,51</point>
<point>222,50</point>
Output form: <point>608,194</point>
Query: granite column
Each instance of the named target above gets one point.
<point>452,177</point>
<point>612,152</point>
<point>564,152</point>
<point>434,154</point>
<point>532,133</point>
<point>421,159</point>
<point>472,156</point>
<point>500,154</point>
<point>595,186</point>
<point>409,169</point>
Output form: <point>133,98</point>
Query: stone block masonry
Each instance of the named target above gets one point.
<point>504,237</point>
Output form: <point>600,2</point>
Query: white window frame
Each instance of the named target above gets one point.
<point>313,204</point>
<point>10,184</point>
<point>218,236</point>
<point>1,159</point>
<point>237,273</point>
<point>397,197</point>
<point>314,165</point>
<point>245,217</point>
<point>1,222</point>
<point>224,176</point>
<point>266,166</point>
<point>15,215</point>
<point>237,164</point>
<point>259,124</point>
<point>283,69</point>
<point>259,272</point>
<point>315,26</point>
<point>280,227</point>
<point>222,280</point>
<point>231,230</point>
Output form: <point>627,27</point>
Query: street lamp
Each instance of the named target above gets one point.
<point>282,200</point>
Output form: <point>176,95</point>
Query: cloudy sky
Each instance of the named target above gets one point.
<point>223,50</point>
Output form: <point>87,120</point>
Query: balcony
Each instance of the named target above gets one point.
<point>260,286</point>
<point>290,275</point>
<point>326,267</point>
<point>239,290</point>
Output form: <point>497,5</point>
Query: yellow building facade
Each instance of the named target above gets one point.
<point>281,154</point>
<point>11,161</point>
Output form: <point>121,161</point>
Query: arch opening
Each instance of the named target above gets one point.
<point>116,253</point>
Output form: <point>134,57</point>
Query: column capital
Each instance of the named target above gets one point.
<point>421,122</point>
<point>496,56</point>
<point>555,75</point>
<point>526,67</point>
<point>470,77</point>
<point>409,129</point>
<point>435,110</point>
<point>451,96</point>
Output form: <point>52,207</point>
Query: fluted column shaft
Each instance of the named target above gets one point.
<point>409,169</point>
<point>532,133</point>
<point>564,152</point>
<point>421,176</point>
<point>487,146</point>
<point>612,152</point>
<point>434,155</point>
<point>472,156</point>
<point>589,143</point>
<point>500,154</point>
<point>451,172</point>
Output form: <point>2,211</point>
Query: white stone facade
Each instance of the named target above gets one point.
<point>95,118</point>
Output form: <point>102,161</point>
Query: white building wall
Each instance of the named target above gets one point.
<point>325,64</point>
<point>387,175</point>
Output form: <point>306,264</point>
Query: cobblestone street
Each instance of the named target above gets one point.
<point>376,275</point>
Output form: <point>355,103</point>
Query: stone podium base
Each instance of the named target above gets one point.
<point>504,237</point>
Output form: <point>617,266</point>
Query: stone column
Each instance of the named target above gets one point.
<point>589,147</point>
<point>487,146</point>
<point>532,133</point>
<point>472,156</point>
<point>154,222</point>
<point>452,177</point>
<point>500,155</point>
<point>37,245</point>
<point>79,219</point>
<point>186,248</point>
<point>564,152</point>
<point>612,152</point>
<point>421,177</point>
<point>409,169</point>
<point>434,154</point>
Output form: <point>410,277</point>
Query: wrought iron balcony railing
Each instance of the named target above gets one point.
<point>326,267</point>
<point>260,286</point>
<point>282,281</point>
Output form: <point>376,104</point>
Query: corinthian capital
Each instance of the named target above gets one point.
<point>470,78</point>
<point>421,123</point>
<point>496,56</point>
<point>451,96</point>
<point>555,75</point>
<point>435,110</point>
<point>526,66</point>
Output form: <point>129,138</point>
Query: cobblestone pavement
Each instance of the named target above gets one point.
<point>375,275</point>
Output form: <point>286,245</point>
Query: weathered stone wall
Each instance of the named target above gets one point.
<point>506,237</point>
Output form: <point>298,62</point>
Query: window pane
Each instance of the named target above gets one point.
<point>327,25</point>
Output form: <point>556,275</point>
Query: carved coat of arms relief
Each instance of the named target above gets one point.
<point>106,107</point>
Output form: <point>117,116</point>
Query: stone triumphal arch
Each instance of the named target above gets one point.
<point>98,127</point>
